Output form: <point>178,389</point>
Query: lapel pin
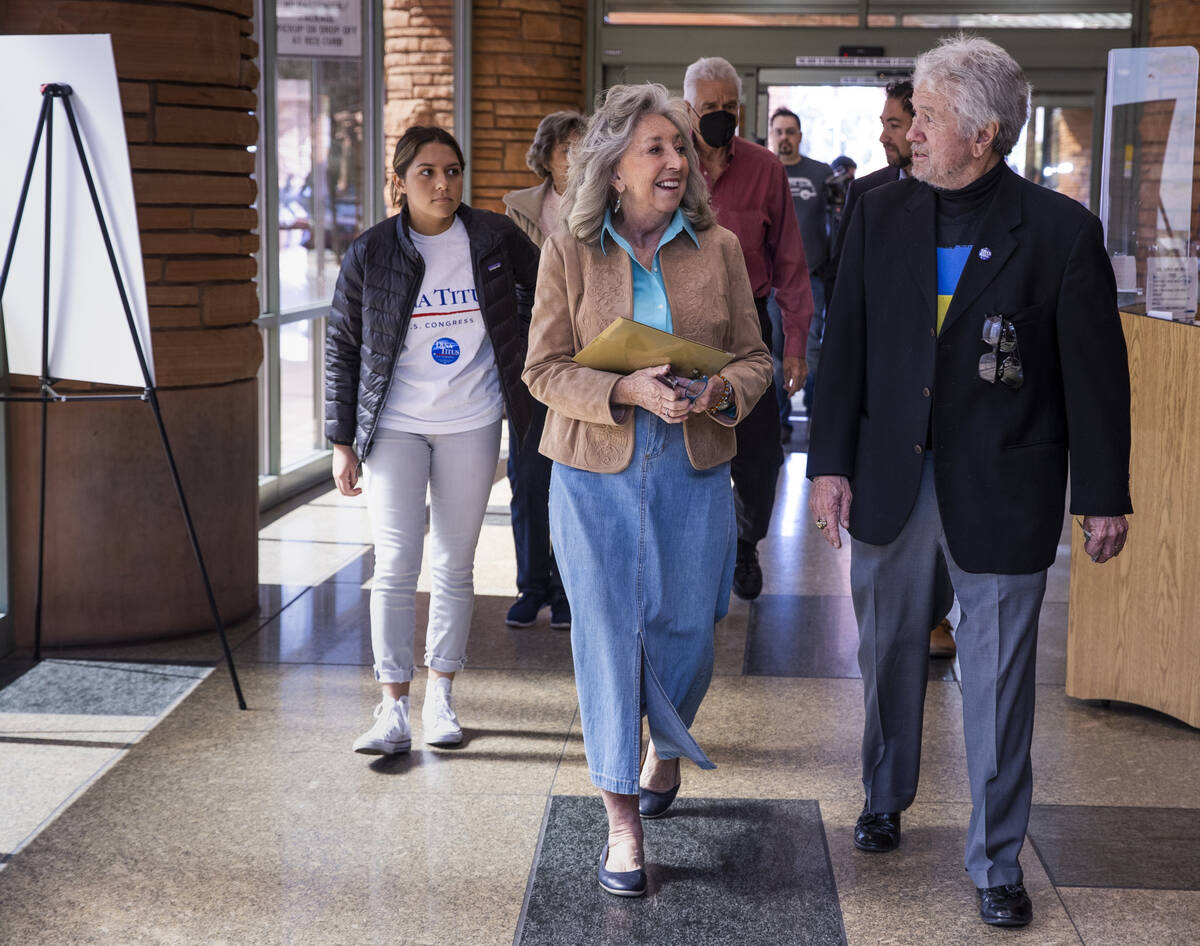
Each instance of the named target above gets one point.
<point>985,254</point>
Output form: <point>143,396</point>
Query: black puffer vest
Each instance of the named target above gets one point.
<point>372,307</point>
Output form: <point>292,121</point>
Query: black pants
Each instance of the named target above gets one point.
<point>529,477</point>
<point>755,469</point>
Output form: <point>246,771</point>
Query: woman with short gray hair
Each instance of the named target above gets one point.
<point>555,130</point>
<point>537,210</point>
<point>641,508</point>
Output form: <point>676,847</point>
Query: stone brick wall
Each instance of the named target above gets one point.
<point>118,562</point>
<point>1153,127</point>
<point>1173,23</point>
<point>1073,143</point>
<point>527,62</point>
<point>418,68</point>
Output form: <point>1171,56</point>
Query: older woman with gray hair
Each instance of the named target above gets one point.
<point>641,509</point>
<point>537,211</point>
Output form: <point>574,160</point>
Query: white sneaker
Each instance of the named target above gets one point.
<point>391,732</point>
<point>437,716</point>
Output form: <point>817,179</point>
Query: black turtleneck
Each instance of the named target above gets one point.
<point>959,215</point>
<point>960,212</point>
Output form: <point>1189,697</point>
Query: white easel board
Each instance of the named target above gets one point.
<point>89,335</point>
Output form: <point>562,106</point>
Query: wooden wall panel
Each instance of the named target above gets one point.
<point>1134,622</point>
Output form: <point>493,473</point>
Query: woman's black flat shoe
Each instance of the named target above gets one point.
<point>622,883</point>
<point>652,804</point>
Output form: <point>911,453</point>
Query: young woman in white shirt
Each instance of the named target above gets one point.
<point>425,345</point>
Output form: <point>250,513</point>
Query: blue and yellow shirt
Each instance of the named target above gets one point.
<point>950,263</point>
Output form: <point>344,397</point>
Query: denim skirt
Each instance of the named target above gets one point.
<point>646,557</point>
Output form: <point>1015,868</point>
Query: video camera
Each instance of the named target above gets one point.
<point>836,186</point>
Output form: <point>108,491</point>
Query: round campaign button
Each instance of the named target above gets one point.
<point>446,351</point>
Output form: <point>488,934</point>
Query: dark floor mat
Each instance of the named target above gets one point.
<point>721,871</point>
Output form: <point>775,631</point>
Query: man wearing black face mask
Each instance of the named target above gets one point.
<point>751,196</point>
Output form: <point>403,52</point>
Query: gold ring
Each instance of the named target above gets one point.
<point>822,523</point>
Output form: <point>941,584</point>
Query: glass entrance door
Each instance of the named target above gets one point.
<point>1056,149</point>
<point>319,188</point>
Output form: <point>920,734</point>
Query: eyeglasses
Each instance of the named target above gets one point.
<point>720,108</point>
<point>1001,334</point>
<point>691,388</point>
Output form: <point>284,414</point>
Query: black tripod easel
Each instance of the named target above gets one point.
<point>45,123</point>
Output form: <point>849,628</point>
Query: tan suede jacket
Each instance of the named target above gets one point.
<point>524,208</point>
<point>581,289</point>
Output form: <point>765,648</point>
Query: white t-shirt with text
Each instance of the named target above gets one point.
<point>445,379</point>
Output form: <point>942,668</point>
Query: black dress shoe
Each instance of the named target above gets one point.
<point>622,883</point>
<point>877,833</point>
<point>747,573</point>
<point>1007,905</point>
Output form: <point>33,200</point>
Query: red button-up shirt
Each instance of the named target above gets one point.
<point>752,198</point>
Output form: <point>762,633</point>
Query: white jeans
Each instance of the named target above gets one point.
<point>458,470</point>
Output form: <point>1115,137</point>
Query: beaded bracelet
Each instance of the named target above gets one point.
<point>726,397</point>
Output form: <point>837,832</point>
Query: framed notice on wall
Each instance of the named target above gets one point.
<point>319,27</point>
<point>1171,287</point>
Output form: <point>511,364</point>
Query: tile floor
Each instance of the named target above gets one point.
<point>64,723</point>
<point>138,805</point>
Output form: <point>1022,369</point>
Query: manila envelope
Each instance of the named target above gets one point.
<point>626,345</point>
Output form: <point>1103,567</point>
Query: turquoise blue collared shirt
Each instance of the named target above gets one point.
<point>650,304</point>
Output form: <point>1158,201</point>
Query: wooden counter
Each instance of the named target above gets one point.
<point>1134,623</point>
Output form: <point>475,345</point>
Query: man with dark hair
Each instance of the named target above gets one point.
<point>806,181</point>
<point>973,360</point>
<point>896,118</point>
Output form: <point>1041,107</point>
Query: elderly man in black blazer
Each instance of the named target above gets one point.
<point>973,337</point>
